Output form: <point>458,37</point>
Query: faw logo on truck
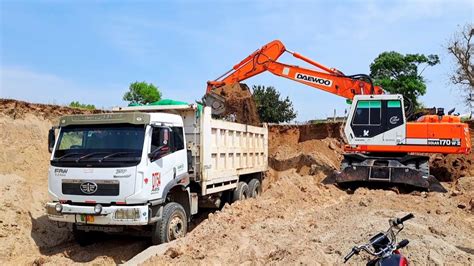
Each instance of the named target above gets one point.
<point>313,79</point>
<point>88,188</point>
<point>60,172</point>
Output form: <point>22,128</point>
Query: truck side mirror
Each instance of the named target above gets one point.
<point>51,139</point>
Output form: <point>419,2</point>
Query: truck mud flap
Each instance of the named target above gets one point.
<point>376,174</point>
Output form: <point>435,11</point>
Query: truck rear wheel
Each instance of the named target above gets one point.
<point>173,224</point>
<point>241,192</point>
<point>255,188</point>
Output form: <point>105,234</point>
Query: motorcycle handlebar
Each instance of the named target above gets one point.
<point>403,243</point>
<point>348,256</point>
<point>404,218</point>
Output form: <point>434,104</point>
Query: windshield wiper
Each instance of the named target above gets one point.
<point>89,155</point>
<point>115,154</point>
<point>67,155</point>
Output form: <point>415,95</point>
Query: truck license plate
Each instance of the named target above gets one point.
<point>87,218</point>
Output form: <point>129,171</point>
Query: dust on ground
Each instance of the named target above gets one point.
<point>239,103</point>
<point>299,220</point>
<point>26,234</point>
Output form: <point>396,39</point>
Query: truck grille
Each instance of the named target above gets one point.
<point>91,187</point>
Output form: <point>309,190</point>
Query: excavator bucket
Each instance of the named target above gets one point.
<point>218,98</point>
<point>408,171</point>
<point>215,101</point>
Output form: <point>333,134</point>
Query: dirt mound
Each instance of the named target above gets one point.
<point>306,148</point>
<point>19,109</point>
<point>452,167</point>
<point>239,103</point>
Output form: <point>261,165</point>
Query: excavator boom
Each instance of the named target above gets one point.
<point>322,78</point>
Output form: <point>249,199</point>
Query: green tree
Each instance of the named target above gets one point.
<point>142,93</point>
<point>399,74</point>
<point>271,108</point>
<point>76,104</point>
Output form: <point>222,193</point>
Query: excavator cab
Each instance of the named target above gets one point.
<point>376,120</point>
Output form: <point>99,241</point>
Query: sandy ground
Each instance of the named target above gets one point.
<point>296,220</point>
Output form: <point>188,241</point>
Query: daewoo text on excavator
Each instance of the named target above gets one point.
<point>382,146</point>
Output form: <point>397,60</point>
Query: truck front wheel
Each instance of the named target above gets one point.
<point>173,224</point>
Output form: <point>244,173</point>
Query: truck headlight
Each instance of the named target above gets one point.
<point>127,214</point>
<point>98,209</point>
<point>58,208</point>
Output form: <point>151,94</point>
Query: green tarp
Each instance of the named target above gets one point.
<point>167,102</point>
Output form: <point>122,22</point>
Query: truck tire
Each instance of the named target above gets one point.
<point>173,224</point>
<point>255,188</point>
<point>241,192</point>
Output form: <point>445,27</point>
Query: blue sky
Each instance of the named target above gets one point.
<point>59,51</point>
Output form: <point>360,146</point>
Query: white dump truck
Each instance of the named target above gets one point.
<point>150,169</point>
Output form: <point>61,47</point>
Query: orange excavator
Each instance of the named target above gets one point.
<point>382,146</point>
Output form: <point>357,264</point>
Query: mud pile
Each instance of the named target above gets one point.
<point>452,167</point>
<point>239,103</point>
<point>297,220</point>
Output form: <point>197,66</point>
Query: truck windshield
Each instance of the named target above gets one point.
<point>99,145</point>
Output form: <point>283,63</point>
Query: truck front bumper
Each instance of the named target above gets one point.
<point>109,215</point>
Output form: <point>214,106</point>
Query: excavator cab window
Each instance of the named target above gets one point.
<point>368,113</point>
<point>394,114</point>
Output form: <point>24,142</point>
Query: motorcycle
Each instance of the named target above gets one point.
<point>384,247</point>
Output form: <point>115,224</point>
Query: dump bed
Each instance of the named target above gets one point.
<point>229,150</point>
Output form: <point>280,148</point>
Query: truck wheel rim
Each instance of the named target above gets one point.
<point>176,228</point>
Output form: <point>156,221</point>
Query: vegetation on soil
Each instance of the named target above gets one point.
<point>76,104</point>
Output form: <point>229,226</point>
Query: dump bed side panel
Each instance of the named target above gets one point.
<point>229,150</point>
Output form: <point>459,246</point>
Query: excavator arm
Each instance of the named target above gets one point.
<point>265,59</point>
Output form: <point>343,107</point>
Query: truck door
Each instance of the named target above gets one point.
<point>170,161</point>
